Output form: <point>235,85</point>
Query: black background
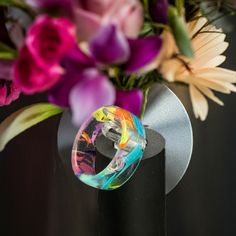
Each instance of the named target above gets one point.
<point>38,196</point>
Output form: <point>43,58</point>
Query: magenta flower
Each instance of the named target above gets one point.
<point>49,39</point>
<point>84,85</point>
<point>31,77</point>
<point>38,66</point>
<point>90,15</point>
<point>9,91</point>
<point>130,100</point>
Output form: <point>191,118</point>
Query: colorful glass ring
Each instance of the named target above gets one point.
<point>128,135</point>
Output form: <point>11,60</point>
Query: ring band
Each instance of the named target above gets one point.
<point>128,135</point>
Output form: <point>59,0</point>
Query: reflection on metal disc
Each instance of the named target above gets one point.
<point>166,114</point>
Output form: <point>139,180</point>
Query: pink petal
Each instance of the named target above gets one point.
<point>88,24</point>
<point>3,94</point>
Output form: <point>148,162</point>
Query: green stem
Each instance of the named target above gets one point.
<point>145,100</point>
<point>180,6</point>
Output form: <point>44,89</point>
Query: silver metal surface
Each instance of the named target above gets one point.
<point>166,114</point>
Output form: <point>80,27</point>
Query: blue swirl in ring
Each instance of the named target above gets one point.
<point>128,134</point>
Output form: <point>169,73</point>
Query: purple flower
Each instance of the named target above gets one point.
<point>130,100</point>
<point>110,46</point>
<point>159,10</point>
<point>82,88</point>
<point>94,91</point>
<point>143,52</point>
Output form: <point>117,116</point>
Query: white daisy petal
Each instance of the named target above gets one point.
<point>195,26</point>
<point>202,59</point>
<point>205,39</point>
<point>214,85</point>
<point>217,74</point>
<point>207,92</point>
<point>199,102</point>
<point>216,61</point>
<point>201,72</point>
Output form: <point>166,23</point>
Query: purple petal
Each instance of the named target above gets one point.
<point>94,91</point>
<point>159,10</point>
<point>130,100</point>
<point>6,69</point>
<point>143,51</point>
<point>75,63</point>
<point>110,46</point>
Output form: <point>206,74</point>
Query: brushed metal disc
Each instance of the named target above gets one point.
<point>166,114</point>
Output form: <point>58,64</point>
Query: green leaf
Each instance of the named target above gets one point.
<point>12,2</point>
<point>6,52</point>
<point>24,119</point>
<point>180,32</point>
<point>7,55</point>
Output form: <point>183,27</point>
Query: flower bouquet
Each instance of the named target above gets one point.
<point>88,54</point>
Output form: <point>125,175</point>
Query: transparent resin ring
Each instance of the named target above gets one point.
<point>128,135</point>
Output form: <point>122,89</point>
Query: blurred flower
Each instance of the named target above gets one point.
<point>110,46</point>
<point>84,82</point>
<point>130,100</point>
<point>90,15</point>
<point>92,92</point>
<point>6,69</point>
<point>9,91</point>
<point>202,72</point>
<point>82,88</point>
<point>48,39</point>
<point>63,6</point>
<point>31,77</point>
<point>158,10</point>
<point>37,67</point>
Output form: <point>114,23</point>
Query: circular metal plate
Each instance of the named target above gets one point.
<point>165,114</point>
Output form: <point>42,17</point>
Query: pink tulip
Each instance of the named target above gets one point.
<point>127,15</point>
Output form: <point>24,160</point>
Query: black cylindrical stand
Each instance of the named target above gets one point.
<point>138,207</point>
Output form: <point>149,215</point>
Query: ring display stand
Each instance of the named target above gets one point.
<point>138,207</point>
